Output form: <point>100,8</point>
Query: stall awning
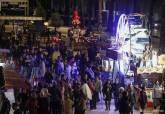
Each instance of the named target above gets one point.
<point>150,70</point>
<point>21,18</point>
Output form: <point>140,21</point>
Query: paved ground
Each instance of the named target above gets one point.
<point>101,110</point>
<point>13,79</point>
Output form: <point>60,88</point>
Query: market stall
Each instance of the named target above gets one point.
<point>152,77</point>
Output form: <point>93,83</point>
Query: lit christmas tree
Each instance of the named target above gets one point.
<point>75,18</point>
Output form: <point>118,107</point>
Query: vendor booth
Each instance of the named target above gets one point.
<point>118,53</point>
<point>152,77</point>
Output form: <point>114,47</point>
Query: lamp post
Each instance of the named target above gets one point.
<point>100,12</point>
<point>46,24</point>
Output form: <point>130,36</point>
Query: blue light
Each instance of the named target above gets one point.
<point>122,30</point>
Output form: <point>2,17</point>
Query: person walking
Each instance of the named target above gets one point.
<point>48,77</point>
<point>80,106</point>
<point>22,97</point>
<point>107,93</point>
<point>142,100</point>
<point>32,103</point>
<point>93,100</point>
<point>116,87</point>
<point>76,96</point>
<point>98,87</point>
<point>131,97</point>
<point>56,99</point>
<point>68,70</point>
<point>44,102</point>
<point>85,94</point>
<point>124,104</point>
<point>68,103</point>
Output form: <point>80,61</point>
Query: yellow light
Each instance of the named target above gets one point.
<point>46,23</point>
<point>162,59</point>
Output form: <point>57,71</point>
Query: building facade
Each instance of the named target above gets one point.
<point>14,7</point>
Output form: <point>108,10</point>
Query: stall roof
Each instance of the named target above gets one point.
<point>21,18</point>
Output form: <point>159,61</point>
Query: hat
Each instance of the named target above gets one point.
<point>121,89</point>
<point>44,92</point>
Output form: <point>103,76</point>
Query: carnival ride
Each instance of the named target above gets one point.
<point>137,20</point>
<point>136,35</point>
<point>139,34</point>
<point>132,34</point>
<point>131,39</point>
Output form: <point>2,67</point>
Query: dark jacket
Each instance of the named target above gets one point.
<point>43,103</point>
<point>116,90</point>
<point>2,80</point>
<point>124,105</point>
<point>107,91</point>
<point>17,111</point>
<point>143,99</point>
<point>5,109</point>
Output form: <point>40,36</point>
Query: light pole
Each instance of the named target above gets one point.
<point>100,12</point>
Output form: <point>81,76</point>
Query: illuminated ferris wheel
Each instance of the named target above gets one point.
<point>130,29</point>
<point>122,31</point>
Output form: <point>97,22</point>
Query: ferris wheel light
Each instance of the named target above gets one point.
<point>155,24</point>
<point>122,29</point>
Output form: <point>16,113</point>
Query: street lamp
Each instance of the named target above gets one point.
<point>46,24</point>
<point>32,22</point>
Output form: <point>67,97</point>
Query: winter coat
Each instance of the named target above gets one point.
<point>98,85</point>
<point>107,92</point>
<point>43,104</point>
<point>5,108</point>
<point>32,105</point>
<point>142,99</point>
<point>86,91</point>
<point>124,105</point>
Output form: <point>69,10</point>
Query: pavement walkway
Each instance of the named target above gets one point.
<point>101,110</point>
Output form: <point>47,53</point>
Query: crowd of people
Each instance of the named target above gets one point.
<point>65,84</point>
